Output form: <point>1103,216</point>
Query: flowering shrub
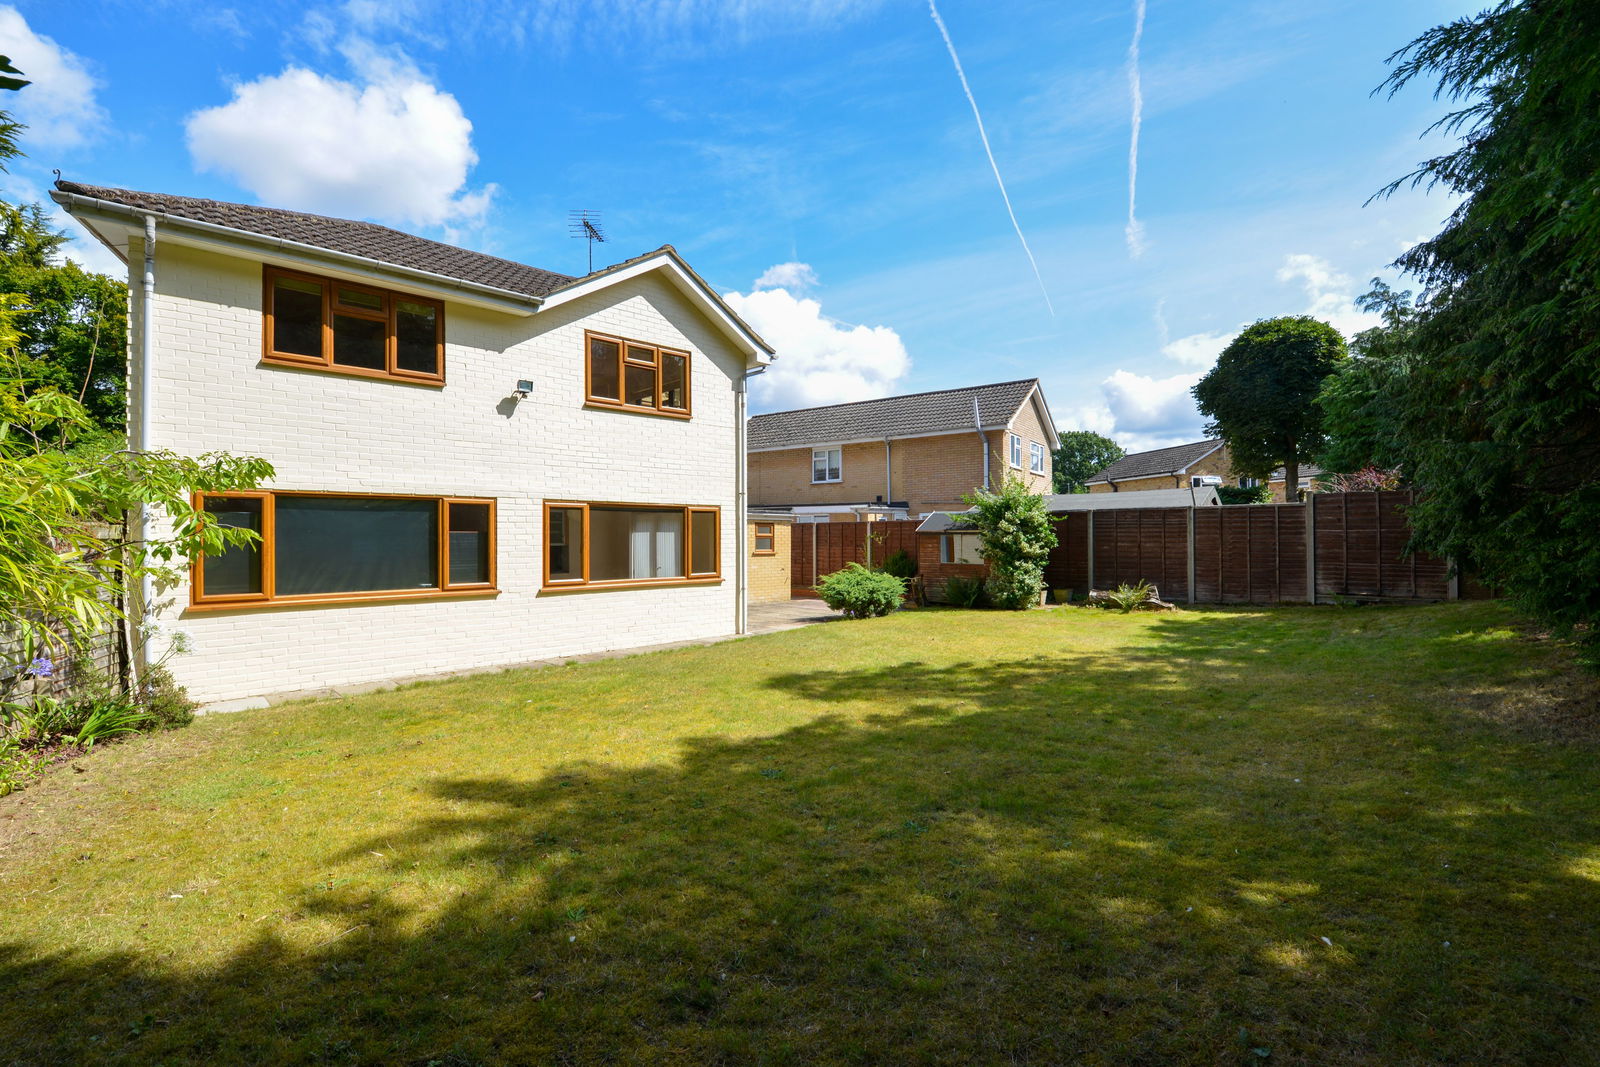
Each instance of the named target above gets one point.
<point>1017,537</point>
<point>1367,480</point>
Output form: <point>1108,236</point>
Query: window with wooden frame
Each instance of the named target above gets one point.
<point>605,545</point>
<point>331,548</point>
<point>346,328</point>
<point>635,376</point>
<point>764,540</point>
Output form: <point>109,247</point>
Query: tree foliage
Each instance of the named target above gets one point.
<point>1082,454</point>
<point>1017,535</point>
<point>1261,395</point>
<point>72,337</point>
<point>1499,411</point>
<point>1361,401</point>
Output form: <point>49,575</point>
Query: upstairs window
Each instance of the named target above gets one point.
<point>1015,443</point>
<point>826,464</point>
<point>636,376</point>
<point>1036,457</point>
<point>326,324</point>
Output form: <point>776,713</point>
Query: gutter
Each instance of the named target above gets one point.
<point>316,253</point>
<point>140,442</point>
<point>741,504</point>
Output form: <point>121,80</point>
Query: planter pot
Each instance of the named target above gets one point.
<point>1063,596</point>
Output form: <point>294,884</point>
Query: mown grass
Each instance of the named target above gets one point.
<point>1301,835</point>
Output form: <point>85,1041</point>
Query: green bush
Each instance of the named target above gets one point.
<point>1017,533</point>
<point>1126,598</point>
<point>901,564</point>
<point>164,700</point>
<point>860,593</point>
<point>1234,494</point>
<point>964,592</point>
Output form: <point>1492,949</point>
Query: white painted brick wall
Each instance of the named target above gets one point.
<point>326,432</point>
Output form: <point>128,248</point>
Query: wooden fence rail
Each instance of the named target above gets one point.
<point>1333,546</point>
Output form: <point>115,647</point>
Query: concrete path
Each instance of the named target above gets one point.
<point>788,615</point>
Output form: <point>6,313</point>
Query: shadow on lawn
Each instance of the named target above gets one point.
<point>1056,859</point>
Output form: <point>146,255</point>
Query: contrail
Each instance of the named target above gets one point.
<point>1135,229</point>
<point>984,135</point>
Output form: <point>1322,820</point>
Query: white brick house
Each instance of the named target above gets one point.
<point>424,518</point>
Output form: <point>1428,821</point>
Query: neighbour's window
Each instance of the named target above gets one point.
<point>331,325</point>
<point>960,548</point>
<point>765,540</point>
<point>636,376</point>
<point>1036,457</point>
<point>326,547</point>
<point>1249,483</point>
<point>826,464</point>
<point>595,544</point>
<point>1015,442</point>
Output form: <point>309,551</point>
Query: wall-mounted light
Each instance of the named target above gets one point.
<point>524,387</point>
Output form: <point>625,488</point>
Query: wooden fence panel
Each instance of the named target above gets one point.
<point>838,543</point>
<point>1141,544</point>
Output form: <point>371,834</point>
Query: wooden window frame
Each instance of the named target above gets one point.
<point>827,481</point>
<point>389,316</point>
<point>623,363</point>
<point>771,535</point>
<point>1036,450</point>
<point>689,576</point>
<point>199,601</point>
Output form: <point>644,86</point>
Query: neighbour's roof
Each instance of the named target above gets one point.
<point>365,239</point>
<point>1171,460</point>
<point>1142,498</point>
<point>945,521</point>
<point>941,411</point>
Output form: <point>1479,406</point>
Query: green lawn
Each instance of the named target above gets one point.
<point>1301,835</point>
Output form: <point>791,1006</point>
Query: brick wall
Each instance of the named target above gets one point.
<point>928,473</point>
<point>769,575</point>
<point>333,433</point>
<point>935,574</point>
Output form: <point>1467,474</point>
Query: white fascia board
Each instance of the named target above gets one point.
<point>880,439</point>
<point>754,349</point>
<point>1052,438</point>
<point>123,222</point>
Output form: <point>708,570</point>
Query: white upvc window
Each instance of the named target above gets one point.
<point>960,548</point>
<point>827,464</point>
<point>1015,441</point>
<point>1249,483</point>
<point>1036,457</point>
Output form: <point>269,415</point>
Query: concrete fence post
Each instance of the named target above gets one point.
<point>1191,555</point>
<point>1311,547</point>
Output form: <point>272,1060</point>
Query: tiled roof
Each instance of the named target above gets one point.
<point>944,411</point>
<point>1158,461</point>
<point>364,239</point>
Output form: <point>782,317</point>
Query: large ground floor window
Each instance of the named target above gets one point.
<point>318,547</point>
<point>595,544</point>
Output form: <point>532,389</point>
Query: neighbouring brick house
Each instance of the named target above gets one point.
<point>479,463</point>
<point>1185,466</point>
<point>900,456</point>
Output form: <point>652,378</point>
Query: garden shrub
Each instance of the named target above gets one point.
<point>1234,494</point>
<point>1017,534</point>
<point>964,592</point>
<point>900,564</point>
<point>860,593</point>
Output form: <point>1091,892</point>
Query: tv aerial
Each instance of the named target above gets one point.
<point>586,224</point>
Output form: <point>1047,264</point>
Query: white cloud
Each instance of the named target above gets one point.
<point>796,277</point>
<point>387,144</point>
<point>1149,411</point>
<point>820,360</point>
<point>59,107</point>
<point>1331,293</point>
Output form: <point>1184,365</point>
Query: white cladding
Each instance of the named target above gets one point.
<point>210,391</point>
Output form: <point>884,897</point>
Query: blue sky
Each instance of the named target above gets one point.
<point>816,159</point>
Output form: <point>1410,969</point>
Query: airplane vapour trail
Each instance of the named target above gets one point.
<point>1135,229</point>
<point>984,136</point>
